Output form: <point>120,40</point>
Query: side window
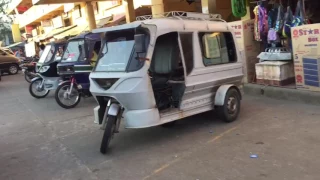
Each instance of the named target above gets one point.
<point>217,48</point>
<point>187,50</point>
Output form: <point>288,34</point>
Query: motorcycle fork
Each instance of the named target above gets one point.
<point>71,85</point>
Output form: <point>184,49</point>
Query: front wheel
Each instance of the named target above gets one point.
<point>108,133</point>
<point>27,77</point>
<point>36,90</point>
<point>230,110</point>
<point>67,98</point>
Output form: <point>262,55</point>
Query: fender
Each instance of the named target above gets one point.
<point>36,78</point>
<point>114,109</point>
<point>68,81</point>
<point>221,94</point>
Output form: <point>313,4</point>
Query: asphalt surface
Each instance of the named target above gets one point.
<point>40,140</point>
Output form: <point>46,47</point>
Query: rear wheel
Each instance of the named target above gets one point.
<point>230,110</point>
<point>13,69</point>
<point>108,133</point>
<point>36,91</point>
<point>66,98</point>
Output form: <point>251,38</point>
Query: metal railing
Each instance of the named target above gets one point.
<point>183,16</point>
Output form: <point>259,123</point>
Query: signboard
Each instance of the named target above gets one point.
<point>248,47</point>
<point>46,23</point>
<point>306,56</point>
<point>58,22</point>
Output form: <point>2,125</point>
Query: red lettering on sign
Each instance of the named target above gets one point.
<point>299,79</point>
<point>316,31</point>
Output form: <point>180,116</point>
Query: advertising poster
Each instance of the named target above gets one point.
<point>306,54</point>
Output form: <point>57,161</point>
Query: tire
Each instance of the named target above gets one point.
<point>57,97</point>
<point>13,69</point>
<point>108,134</point>
<point>33,93</point>
<point>27,78</point>
<point>229,112</point>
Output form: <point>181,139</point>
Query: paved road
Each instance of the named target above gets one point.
<point>40,140</point>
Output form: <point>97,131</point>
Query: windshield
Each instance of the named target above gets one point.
<point>47,54</point>
<point>115,56</point>
<point>75,51</point>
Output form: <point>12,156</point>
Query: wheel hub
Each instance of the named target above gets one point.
<point>66,95</point>
<point>39,89</point>
<point>232,105</point>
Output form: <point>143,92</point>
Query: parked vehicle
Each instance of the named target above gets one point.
<point>154,72</point>
<point>29,69</point>
<point>75,67</point>
<point>8,63</point>
<point>47,76</point>
<point>7,50</point>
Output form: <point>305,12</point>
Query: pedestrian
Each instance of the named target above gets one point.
<point>19,53</point>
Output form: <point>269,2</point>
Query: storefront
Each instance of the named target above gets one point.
<point>280,44</point>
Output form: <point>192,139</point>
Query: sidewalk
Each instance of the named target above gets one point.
<point>280,93</point>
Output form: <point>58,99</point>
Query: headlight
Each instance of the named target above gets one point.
<point>44,69</point>
<point>106,83</point>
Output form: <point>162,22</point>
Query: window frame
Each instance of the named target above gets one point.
<point>200,35</point>
<point>186,65</point>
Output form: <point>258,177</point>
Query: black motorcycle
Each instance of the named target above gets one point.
<point>29,69</point>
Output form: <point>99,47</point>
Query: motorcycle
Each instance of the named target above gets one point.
<point>47,77</point>
<point>29,69</point>
<point>76,67</point>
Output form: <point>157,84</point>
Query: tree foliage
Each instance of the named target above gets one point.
<point>5,20</point>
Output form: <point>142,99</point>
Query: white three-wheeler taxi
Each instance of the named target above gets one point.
<point>158,70</point>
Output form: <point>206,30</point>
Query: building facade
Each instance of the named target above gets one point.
<point>42,21</point>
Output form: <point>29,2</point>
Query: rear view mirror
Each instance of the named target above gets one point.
<point>139,40</point>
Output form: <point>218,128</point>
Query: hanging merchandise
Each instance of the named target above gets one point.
<point>272,17</point>
<point>298,19</point>
<point>288,18</point>
<point>257,36</point>
<point>239,8</point>
<point>273,36</point>
<point>263,21</point>
<point>280,16</point>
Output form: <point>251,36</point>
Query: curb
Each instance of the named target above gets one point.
<point>280,93</point>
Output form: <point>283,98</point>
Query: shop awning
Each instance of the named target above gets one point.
<point>76,30</point>
<point>72,32</point>
<point>58,31</point>
<point>55,32</point>
<point>15,44</point>
<point>104,21</point>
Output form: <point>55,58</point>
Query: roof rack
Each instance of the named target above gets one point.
<point>183,16</point>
